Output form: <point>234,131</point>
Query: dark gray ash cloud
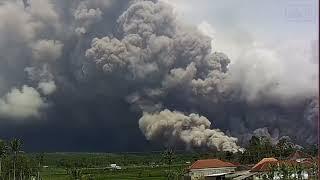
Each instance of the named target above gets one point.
<point>116,70</point>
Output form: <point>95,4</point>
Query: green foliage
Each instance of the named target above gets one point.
<point>15,146</point>
<point>312,150</point>
<point>13,163</point>
<point>75,174</point>
<point>261,147</point>
<point>284,148</point>
<point>258,148</point>
<point>147,166</point>
<point>3,153</point>
<point>3,148</point>
<point>168,157</point>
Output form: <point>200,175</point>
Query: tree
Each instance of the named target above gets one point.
<point>285,147</point>
<point>272,171</point>
<point>255,141</point>
<point>15,146</point>
<point>262,146</point>
<point>168,157</point>
<point>285,171</point>
<point>3,152</point>
<point>314,170</point>
<point>258,148</point>
<point>39,158</point>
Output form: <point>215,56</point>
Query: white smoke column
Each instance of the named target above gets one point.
<point>21,104</point>
<point>43,11</point>
<point>88,13</point>
<point>44,52</point>
<point>43,77</point>
<point>193,130</point>
<point>47,50</point>
<point>47,88</point>
<point>265,74</point>
<point>86,17</point>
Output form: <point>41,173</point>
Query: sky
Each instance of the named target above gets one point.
<point>264,22</point>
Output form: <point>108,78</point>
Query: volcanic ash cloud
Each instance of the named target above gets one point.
<point>137,53</point>
<point>193,130</point>
<point>21,104</point>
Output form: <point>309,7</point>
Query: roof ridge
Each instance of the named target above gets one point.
<point>210,163</point>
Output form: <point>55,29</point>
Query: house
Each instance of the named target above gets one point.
<point>271,168</point>
<point>115,166</point>
<point>210,169</point>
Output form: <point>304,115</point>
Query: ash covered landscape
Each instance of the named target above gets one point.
<point>162,83</point>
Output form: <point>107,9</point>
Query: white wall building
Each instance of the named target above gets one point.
<point>209,169</point>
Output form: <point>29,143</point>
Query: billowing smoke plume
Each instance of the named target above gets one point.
<point>274,138</point>
<point>82,56</point>
<point>23,103</point>
<point>46,50</point>
<point>156,50</point>
<point>193,130</point>
<point>47,87</point>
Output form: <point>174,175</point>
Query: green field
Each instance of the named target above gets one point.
<point>96,166</point>
<point>155,173</point>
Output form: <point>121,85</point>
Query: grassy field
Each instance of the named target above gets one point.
<point>127,173</point>
<point>134,166</point>
<point>96,166</point>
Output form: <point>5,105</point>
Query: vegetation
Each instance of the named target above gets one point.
<point>289,172</point>
<point>15,164</point>
<point>168,157</point>
<point>3,152</point>
<point>261,147</point>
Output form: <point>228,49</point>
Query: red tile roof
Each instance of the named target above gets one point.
<point>210,163</point>
<point>265,166</point>
<point>262,163</point>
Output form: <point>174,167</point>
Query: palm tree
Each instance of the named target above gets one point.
<point>40,158</point>
<point>15,146</point>
<point>3,152</point>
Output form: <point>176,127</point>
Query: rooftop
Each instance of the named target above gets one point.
<point>265,165</point>
<point>210,163</point>
<point>261,163</point>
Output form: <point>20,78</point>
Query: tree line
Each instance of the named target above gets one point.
<point>15,164</point>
